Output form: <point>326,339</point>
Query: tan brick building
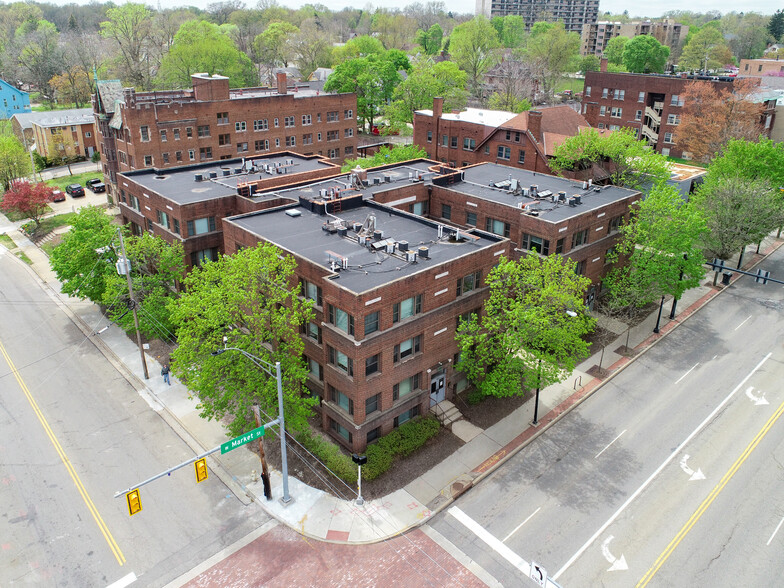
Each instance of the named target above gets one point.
<point>210,122</point>
<point>64,133</point>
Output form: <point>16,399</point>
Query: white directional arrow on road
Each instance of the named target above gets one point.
<point>757,400</point>
<point>698,475</point>
<point>618,564</point>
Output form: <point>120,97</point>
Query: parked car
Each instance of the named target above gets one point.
<point>75,190</point>
<point>97,187</point>
<point>58,196</point>
<point>91,183</point>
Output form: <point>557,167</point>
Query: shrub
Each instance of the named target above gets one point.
<point>475,396</point>
<point>330,455</point>
<point>403,441</point>
<point>96,157</point>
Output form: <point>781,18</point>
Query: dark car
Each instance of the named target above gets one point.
<point>57,196</point>
<point>97,187</point>
<point>75,190</point>
<point>91,183</point>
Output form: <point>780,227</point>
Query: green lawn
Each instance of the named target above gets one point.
<point>63,181</point>
<point>7,242</point>
<point>61,220</point>
<point>23,257</point>
<point>47,108</point>
<point>687,162</point>
<point>573,84</point>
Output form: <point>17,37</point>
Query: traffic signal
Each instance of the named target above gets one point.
<point>134,502</point>
<point>201,469</point>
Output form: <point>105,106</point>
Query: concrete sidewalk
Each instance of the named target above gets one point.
<point>337,518</point>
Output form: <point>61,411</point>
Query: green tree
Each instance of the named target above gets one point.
<point>130,28</point>
<point>249,299</point>
<point>14,161</point>
<point>372,78</point>
<point>508,102</point>
<point>663,245</point>
<point>512,34</point>
<point>430,40</point>
<point>553,53</point>
<point>589,63</point>
<point>776,24</point>
<point>41,57</point>
<point>362,46</point>
<point>156,267</point>
<point>311,47</point>
<point>424,83</point>
<point>385,156</point>
<point>706,50</point>
<point>473,46</point>
<point>85,260</point>
<point>531,332</point>
<point>644,54</point>
<point>614,50</point>
<point>630,163</point>
<point>200,46</point>
<point>751,160</point>
<point>272,46</point>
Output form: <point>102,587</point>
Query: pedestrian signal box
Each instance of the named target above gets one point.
<point>134,502</point>
<point>201,469</point>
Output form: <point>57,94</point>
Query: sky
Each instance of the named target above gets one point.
<point>468,6</point>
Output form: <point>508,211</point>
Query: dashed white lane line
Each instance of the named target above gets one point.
<point>610,443</point>
<point>776,531</point>
<point>517,528</point>
<point>687,373</point>
<point>124,581</point>
<point>743,323</point>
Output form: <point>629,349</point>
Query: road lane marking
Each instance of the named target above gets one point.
<point>776,531</point>
<point>687,373</point>
<point>658,470</point>
<point>461,557</point>
<point>617,564</point>
<point>491,541</point>
<point>68,466</point>
<point>124,581</point>
<point>743,323</point>
<point>517,528</point>
<point>610,443</point>
<point>711,497</point>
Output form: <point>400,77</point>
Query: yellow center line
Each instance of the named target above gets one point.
<point>711,497</point>
<point>68,466</point>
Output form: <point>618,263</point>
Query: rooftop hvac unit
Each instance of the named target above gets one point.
<point>344,262</point>
<point>387,178</point>
<point>391,247</point>
<point>198,177</point>
<point>519,205</point>
<point>237,170</point>
<point>424,252</point>
<point>293,212</point>
<point>376,181</point>
<point>411,256</point>
<point>544,194</point>
<point>402,245</point>
<point>578,199</point>
<point>289,162</point>
<point>342,231</point>
<point>514,185</point>
<point>322,192</point>
<point>226,172</point>
<point>597,189</point>
<point>571,202</point>
<point>590,181</point>
<point>357,226</point>
<point>362,240</point>
<point>585,185</point>
<point>440,231</point>
<point>410,175</point>
<point>213,175</point>
<point>377,234</point>
<point>525,192</point>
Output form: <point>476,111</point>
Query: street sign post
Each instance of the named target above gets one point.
<point>242,440</point>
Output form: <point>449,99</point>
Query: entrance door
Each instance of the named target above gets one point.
<point>437,388</point>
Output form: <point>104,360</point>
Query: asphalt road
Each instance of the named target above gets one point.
<point>669,475</point>
<point>72,433</point>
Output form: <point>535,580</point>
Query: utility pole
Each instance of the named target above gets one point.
<point>126,265</point>
<point>265,479</point>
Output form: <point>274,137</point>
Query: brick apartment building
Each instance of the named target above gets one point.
<point>526,140</point>
<point>650,104</point>
<point>761,67</point>
<point>573,13</point>
<point>210,122</point>
<point>71,133</point>
<point>596,35</point>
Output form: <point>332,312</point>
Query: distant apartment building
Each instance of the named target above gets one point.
<point>596,35</point>
<point>573,13</point>
<point>759,68</point>
<point>650,104</point>
<point>64,133</point>
<point>210,122</point>
<point>12,100</point>
<point>526,140</point>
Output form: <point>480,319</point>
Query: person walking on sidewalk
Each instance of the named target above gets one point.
<point>165,373</point>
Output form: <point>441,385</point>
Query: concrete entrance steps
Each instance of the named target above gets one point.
<point>446,412</point>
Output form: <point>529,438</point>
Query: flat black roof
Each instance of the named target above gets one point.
<point>369,265</point>
<point>179,184</point>
<point>494,182</point>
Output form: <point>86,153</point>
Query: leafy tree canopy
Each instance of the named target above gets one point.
<point>614,50</point>
<point>751,160</point>
<point>776,24</point>
<point>14,160</point>
<point>386,156</point>
<point>473,47</point>
<point>430,40</point>
<point>705,50</point>
<point>424,83</point>
<point>30,200</point>
<point>362,46</point>
<point>644,54</point>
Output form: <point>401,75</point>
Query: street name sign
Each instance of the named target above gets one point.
<point>242,440</point>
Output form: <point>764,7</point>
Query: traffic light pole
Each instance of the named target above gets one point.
<point>761,276</point>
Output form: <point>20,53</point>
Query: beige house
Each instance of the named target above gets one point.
<point>71,134</point>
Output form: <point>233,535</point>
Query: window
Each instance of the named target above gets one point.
<point>372,404</point>
<point>318,117</point>
<point>315,370</point>
<point>521,157</point>
<point>580,238</point>
<point>430,136</point>
<point>619,94</point>
<point>641,97</point>
<point>163,134</point>
<point>504,152</point>
<point>205,153</point>
<point>307,139</point>
<point>313,331</point>
<point>311,292</point>
<point>497,227</point>
<point>341,430</point>
<point>341,361</point>
<point>341,400</point>
<point>318,137</point>
<point>165,158</point>
<point>134,202</point>
<point>333,153</point>
<point>487,149</point>
<point>405,387</point>
<point>177,226</point>
<point>676,100</point>
<point>189,132</point>
<point>559,246</point>
<point>203,131</point>
<point>407,416</point>
<point>145,132</point>
<point>673,119</point>
<point>373,435</point>
<point>406,308</point>
<point>87,134</point>
<point>288,121</point>
<point>638,115</point>
<point>371,323</point>
<point>605,92</point>
<point>277,142</point>
<point>446,211</point>
<point>587,90</point>
<point>191,154</point>
<point>348,114</point>
<point>332,116</point>
<point>333,135</point>
<point>444,141</point>
<point>240,127</point>
<point>616,112</point>
<point>579,269</point>
<point>468,283</point>
<point>201,226</point>
<point>262,145</point>
<point>418,208</point>
<point>371,364</point>
<point>613,127</point>
<point>260,124</point>
<point>534,243</point>
<point>602,110</point>
<point>348,133</point>
<point>407,348</point>
<point>178,155</point>
<point>276,123</point>
<point>148,160</point>
<point>242,147</point>
<point>469,144</point>
<point>223,118</point>
<point>471,218</point>
<point>199,257</point>
<point>453,142</point>
<point>341,319</point>
<point>615,224</point>
<point>176,134</point>
<point>224,139</point>
<point>348,150</point>
<point>291,141</point>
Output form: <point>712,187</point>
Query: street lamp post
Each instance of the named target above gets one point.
<point>268,368</point>
<point>535,422</point>
<point>360,460</point>
<point>658,319</point>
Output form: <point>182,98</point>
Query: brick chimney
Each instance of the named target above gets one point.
<point>208,88</point>
<point>282,82</point>
<point>603,64</point>
<point>438,107</point>
<point>535,124</point>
